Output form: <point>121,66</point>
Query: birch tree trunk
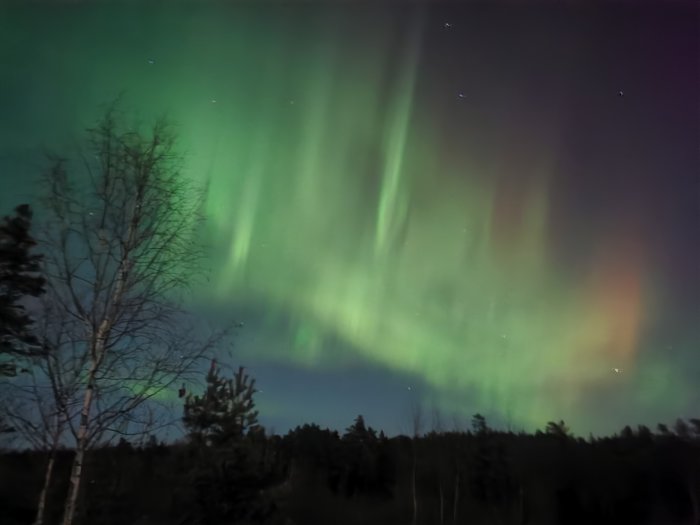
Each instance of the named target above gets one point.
<point>81,445</point>
<point>96,356</point>
<point>41,505</point>
<point>98,349</point>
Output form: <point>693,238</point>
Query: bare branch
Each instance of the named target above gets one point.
<point>121,246</point>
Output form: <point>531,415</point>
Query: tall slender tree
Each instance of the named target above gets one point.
<point>120,248</point>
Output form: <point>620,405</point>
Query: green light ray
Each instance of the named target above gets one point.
<point>392,208</point>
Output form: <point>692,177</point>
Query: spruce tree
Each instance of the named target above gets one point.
<point>19,278</point>
<point>230,475</point>
<point>225,413</point>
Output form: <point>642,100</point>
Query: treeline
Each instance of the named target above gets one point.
<point>313,475</point>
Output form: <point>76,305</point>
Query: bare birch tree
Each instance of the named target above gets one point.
<point>121,249</point>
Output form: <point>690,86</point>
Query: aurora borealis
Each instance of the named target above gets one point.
<point>476,209</point>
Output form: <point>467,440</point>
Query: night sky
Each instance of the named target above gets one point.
<point>492,209</point>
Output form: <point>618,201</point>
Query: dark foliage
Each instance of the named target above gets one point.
<point>314,475</point>
<point>367,466</point>
<point>225,412</point>
<point>232,467</point>
<point>229,488</point>
<point>19,278</point>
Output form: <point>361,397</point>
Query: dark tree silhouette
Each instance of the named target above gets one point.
<point>559,430</point>
<point>19,278</point>
<point>479,425</point>
<point>225,413</point>
<point>682,429</point>
<point>367,469</point>
<point>229,445</point>
<point>695,424</point>
<point>359,432</point>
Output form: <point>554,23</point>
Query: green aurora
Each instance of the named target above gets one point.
<point>338,200</point>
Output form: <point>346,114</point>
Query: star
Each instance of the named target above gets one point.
<point>461,94</point>
<point>447,25</point>
<point>620,93</point>
<point>617,370</point>
<point>151,61</point>
<point>213,101</point>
